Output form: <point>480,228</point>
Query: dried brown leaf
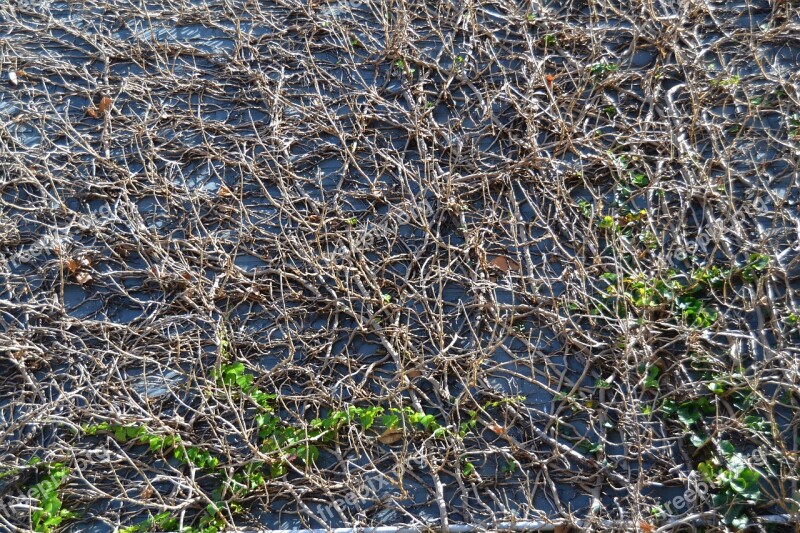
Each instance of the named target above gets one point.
<point>506,264</point>
<point>104,105</point>
<point>494,427</point>
<point>391,436</point>
<point>73,265</point>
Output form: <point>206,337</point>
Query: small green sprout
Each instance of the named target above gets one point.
<point>607,222</point>
<point>585,207</point>
<point>640,180</point>
<point>601,68</point>
<point>730,81</point>
<point>794,125</point>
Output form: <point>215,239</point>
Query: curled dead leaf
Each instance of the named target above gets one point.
<point>494,427</point>
<point>506,264</point>
<point>83,278</point>
<point>390,436</point>
<point>224,191</point>
<point>413,373</point>
<point>92,112</point>
<point>104,105</point>
<point>73,265</point>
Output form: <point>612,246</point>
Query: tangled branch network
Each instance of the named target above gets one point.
<point>275,264</point>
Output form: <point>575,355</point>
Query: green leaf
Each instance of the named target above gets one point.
<point>698,439</point>
<point>277,470</point>
<point>609,277</point>
<point>390,421</point>
<point>746,484</point>
<point>756,423</point>
<point>51,505</point>
<point>651,381</point>
<point>308,454</point>
<point>231,372</point>
<point>707,470</point>
<point>740,522</point>
<point>728,450</point>
<point>688,413</point>
<point>758,261</point>
<point>155,443</point>
<point>585,207</point>
<point>120,433</point>
<point>669,407</point>
<point>602,384</point>
<point>439,432</point>
<point>607,222</point>
<point>587,446</point>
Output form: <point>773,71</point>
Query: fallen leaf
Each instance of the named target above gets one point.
<point>224,191</point>
<point>413,373</point>
<point>647,528</point>
<point>104,105</point>
<point>83,278</point>
<point>506,264</point>
<point>550,79</point>
<point>390,436</point>
<point>92,112</point>
<point>21,73</point>
<point>73,265</point>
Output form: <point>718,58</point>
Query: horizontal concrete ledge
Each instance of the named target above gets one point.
<point>700,519</point>
<point>502,526</point>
